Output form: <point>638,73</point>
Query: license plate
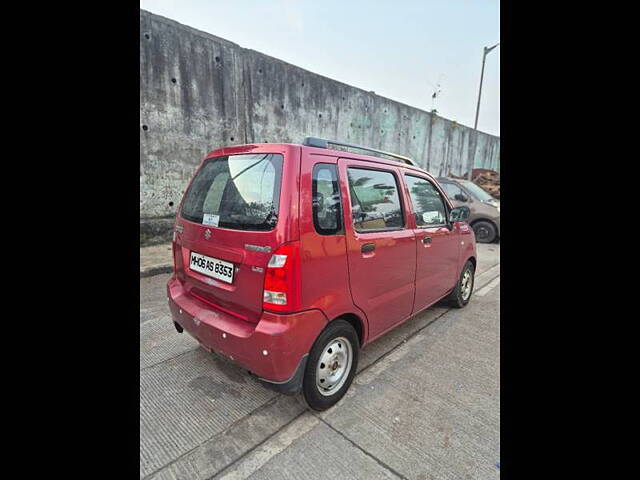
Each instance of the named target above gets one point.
<point>212,267</point>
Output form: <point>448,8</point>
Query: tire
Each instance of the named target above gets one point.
<point>485,231</point>
<point>324,368</point>
<point>460,296</point>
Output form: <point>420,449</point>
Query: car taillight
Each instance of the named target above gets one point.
<point>178,265</point>
<point>282,279</point>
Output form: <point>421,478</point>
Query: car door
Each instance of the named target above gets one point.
<point>381,250</point>
<point>437,242</point>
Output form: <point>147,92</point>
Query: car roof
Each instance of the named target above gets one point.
<point>366,158</point>
<point>247,148</point>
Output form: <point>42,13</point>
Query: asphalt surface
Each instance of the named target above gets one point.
<point>424,405</point>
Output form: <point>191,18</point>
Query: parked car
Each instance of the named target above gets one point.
<point>485,210</point>
<point>288,258</point>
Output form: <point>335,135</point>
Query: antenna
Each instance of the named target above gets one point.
<point>436,93</point>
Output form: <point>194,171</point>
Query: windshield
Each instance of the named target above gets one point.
<point>240,192</point>
<point>476,191</point>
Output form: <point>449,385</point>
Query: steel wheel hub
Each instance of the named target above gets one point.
<point>334,366</point>
<point>465,285</point>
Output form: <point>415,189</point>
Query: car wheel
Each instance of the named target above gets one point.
<point>485,231</point>
<point>460,295</point>
<point>332,364</point>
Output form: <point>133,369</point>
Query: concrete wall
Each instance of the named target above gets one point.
<point>199,92</point>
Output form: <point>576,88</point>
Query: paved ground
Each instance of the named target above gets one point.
<point>424,405</point>
<point>155,259</point>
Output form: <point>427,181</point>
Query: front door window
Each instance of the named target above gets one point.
<point>427,202</point>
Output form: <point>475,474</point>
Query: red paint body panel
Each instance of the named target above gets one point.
<point>325,275</point>
<point>286,338</point>
<point>437,263</point>
<point>382,281</point>
<point>467,244</point>
<point>382,288</point>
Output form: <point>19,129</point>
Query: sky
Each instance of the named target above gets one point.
<point>400,49</point>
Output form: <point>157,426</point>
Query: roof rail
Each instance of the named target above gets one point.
<point>324,143</point>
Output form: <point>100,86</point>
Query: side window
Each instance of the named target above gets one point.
<point>453,191</point>
<point>375,204</point>
<point>327,209</point>
<point>427,202</point>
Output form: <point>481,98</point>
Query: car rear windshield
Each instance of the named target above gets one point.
<point>240,192</point>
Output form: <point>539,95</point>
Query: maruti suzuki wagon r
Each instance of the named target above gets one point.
<point>289,258</point>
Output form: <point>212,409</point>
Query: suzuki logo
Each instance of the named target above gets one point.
<point>207,234</point>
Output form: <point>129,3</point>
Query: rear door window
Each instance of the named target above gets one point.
<point>428,204</point>
<point>239,192</point>
<point>327,208</point>
<point>375,204</point>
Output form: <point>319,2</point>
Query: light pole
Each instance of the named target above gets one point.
<point>475,125</point>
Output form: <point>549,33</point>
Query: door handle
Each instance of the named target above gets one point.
<point>426,240</point>
<point>368,247</point>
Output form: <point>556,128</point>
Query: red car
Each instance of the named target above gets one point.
<point>290,258</point>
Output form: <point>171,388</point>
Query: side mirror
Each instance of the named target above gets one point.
<point>461,197</point>
<point>459,214</point>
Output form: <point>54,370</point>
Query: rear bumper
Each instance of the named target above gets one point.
<point>274,349</point>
